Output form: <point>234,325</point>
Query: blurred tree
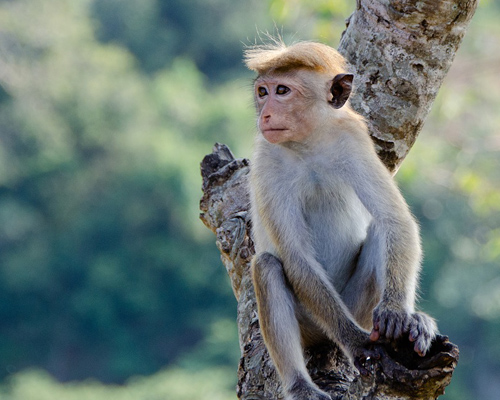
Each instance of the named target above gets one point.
<point>102,272</point>
<point>158,31</point>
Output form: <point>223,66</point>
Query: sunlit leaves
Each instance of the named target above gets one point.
<point>320,19</point>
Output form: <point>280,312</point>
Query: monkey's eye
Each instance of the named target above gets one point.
<point>262,91</point>
<point>282,89</point>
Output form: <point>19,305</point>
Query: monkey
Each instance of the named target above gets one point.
<point>338,251</point>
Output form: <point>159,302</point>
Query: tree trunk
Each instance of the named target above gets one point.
<point>400,52</point>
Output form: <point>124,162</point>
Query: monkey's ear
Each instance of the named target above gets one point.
<point>341,89</point>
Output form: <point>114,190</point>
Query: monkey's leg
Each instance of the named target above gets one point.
<point>280,328</point>
<point>313,289</point>
<point>364,288</point>
<point>363,294</point>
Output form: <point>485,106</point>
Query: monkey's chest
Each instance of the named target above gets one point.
<point>338,223</point>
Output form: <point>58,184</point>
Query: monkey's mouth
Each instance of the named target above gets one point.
<point>274,135</point>
<point>274,130</point>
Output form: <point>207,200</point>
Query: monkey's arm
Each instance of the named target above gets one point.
<point>393,249</point>
<point>285,225</point>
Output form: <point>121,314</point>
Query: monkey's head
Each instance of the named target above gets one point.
<point>298,89</point>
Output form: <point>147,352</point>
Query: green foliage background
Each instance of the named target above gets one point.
<point>110,287</point>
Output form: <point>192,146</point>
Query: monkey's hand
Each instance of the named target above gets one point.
<point>393,323</point>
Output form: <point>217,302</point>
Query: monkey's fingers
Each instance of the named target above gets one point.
<point>402,324</point>
<point>420,352</point>
<point>391,324</point>
<point>422,331</point>
<point>423,343</point>
<point>374,335</point>
<point>382,322</point>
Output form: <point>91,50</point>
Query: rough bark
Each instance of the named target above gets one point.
<point>400,51</point>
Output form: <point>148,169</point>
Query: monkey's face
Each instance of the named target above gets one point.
<point>289,110</point>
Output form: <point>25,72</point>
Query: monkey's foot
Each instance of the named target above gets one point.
<point>364,358</point>
<point>303,390</point>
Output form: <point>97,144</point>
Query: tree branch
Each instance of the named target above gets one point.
<point>401,51</point>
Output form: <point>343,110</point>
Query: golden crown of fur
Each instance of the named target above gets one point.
<point>277,56</point>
